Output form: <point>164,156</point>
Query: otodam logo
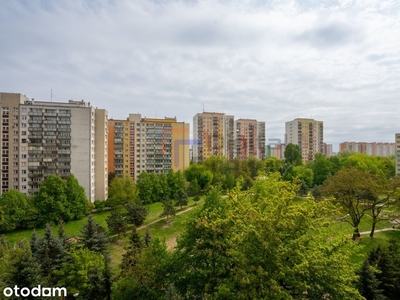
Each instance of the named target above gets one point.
<point>38,291</point>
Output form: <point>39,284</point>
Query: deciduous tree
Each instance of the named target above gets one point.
<point>13,206</point>
<point>122,190</point>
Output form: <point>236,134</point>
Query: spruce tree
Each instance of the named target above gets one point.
<point>94,237</point>
<point>50,253</point>
<point>25,271</point>
<point>131,257</point>
<point>368,284</point>
<point>147,238</point>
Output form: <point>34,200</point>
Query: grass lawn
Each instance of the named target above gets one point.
<point>367,244</point>
<point>158,229</point>
<point>73,228</point>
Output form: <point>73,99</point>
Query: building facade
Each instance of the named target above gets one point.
<point>47,138</point>
<point>218,134</point>
<point>213,134</point>
<point>397,153</point>
<point>249,139</point>
<point>308,134</point>
<point>374,149</point>
<point>150,145</point>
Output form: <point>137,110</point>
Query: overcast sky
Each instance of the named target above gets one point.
<point>270,60</point>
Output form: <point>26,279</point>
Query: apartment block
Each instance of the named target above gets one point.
<point>150,145</point>
<point>374,149</point>
<point>308,134</point>
<point>397,153</point>
<point>51,138</point>
<point>218,134</point>
<point>213,134</point>
<point>249,139</point>
<point>328,149</point>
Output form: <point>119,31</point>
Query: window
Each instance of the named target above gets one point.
<point>23,109</point>
<point>23,171</point>
<point>23,117</point>
<point>23,124</point>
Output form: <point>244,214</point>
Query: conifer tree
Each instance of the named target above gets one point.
<point>131,257</point>
<point>94,237</point>
<point>368,284</point>
<point>50,253</point>
<point>147,238</point>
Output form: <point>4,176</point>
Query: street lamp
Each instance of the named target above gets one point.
<point>341,220</point>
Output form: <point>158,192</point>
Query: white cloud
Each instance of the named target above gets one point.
<point>335,61</point>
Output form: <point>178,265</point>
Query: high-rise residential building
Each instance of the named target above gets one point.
<point>43,138</point>
<point>397,153</point>
<point>374,149</point>
<point>150,145</point>
<point>213,134</point>
<point>218,134</point>
<point>249,139</point>
<point>308,134</point>
<point>328,149</point>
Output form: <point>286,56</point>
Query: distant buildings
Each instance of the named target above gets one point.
<point>218,134</point>
<point>43,138</point>
<point>375,149</point>
<point>327,149</point>
<point>308,134</point>
<point>397,153</point>
<point>139,144</point>
<point>249,139</point>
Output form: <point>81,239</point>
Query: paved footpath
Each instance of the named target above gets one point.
<point>380,230</point>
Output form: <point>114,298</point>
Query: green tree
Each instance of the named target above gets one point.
<point>76,197</point>
<point>147,238</point>
<point>261,244</point>
<point>168,208</point>
<point>368,284</point>
<point>386,260</point>
<point>147,186</point>
<point>51,202</point>
<point>18,267</point>
<point>304,174</point>
<point>322,168</point>
<point>83,273</point>
<point>122,190</point>
<point>199,172</point>
<point>13,206</point>
<point>132,254</point>
<point>292,155</point>
<point>136,214</point>
<point>147,278</point>
<point>94,237</point>
<point>354,189</point>
<point>116,223</point>
<point>49,253</point>
<point>175,181</point>
<point>194,187</point>
<point>273,165</point>
<point>182,198</point>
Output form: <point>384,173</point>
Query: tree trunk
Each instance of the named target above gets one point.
<point>373,228</point>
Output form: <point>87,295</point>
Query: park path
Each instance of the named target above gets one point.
<point>158,220</point>
<point>163,218</point>
<point>380,230</point>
